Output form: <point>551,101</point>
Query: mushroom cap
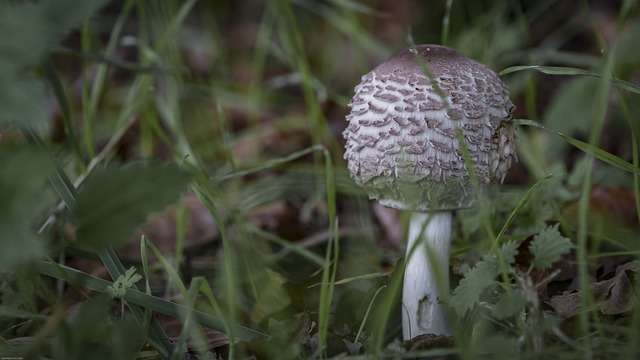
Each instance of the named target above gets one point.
<point>401,142</point>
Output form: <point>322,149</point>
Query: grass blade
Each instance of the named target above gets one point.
<point>571,71</point>
<point>135,296</point>
<point>587,148</point>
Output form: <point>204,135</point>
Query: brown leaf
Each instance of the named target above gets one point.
<point>613,294</point>
<point>614,203</point>
<point>161,229</point>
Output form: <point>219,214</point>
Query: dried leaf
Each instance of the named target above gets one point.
<point>615,203</point>
<point>613,295</point>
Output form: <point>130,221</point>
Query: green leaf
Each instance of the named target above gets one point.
<point>28,33</point>
<point>548,246</point>
<point>119,287</point>
<point>571,109</point>
<point>91,330</point>
<point>20,99</point>
<point>498,346</point>
<point>25,37</point>
<point>116,200</point>
<point>509,250</point>
<point>64,15</point>
<point>509,304</point>
<point>475,281</point>
<point>23,176</point>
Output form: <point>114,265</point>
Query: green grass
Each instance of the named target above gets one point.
<point>241,105</point>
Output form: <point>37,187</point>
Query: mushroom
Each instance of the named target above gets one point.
<point>402,146</point>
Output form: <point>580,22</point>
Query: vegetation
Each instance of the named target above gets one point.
<point>172,182</point>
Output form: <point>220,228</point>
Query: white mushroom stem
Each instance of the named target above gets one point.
<point>426,276</point>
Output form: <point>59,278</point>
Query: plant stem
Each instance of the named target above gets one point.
<point>426,276</point>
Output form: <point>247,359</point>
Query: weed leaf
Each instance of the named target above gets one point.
<point>116,200</point>
<point>119,287</point>
<point>509,251</point>
<point>475,281</point>
<point>548,246</point>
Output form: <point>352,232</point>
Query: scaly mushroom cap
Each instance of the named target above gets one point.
<point>401,144</point>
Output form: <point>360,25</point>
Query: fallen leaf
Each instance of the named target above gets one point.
<point>161,228</point>
<point>613,294</point>
<point>614,203</point>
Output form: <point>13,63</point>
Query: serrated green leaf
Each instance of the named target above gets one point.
<point>548,246</point>
<point>116,200</point>
<point>509,251</point>
<point>475,281</point>
<point>23,177</point>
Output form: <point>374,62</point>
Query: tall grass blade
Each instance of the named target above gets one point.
<point>587,148</point>
<point>571,71</point>
<point>137,297</point>
<point>63,103</point>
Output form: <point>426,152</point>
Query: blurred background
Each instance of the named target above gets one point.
<point>251,96</point>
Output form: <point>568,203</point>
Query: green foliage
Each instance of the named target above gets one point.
<point>509,251</point>
<point>134,296</point>
<point>508,305</point>
<point>548,246</point>
<point>28,33</point>
<point>501,346</point>
<point>477,279</point>
<point>91,332</point>
<point>115,200</point>
<point>122,283</point>
<point>23,177</point>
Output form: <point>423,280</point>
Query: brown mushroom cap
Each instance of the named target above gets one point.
<point>401,139</point>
